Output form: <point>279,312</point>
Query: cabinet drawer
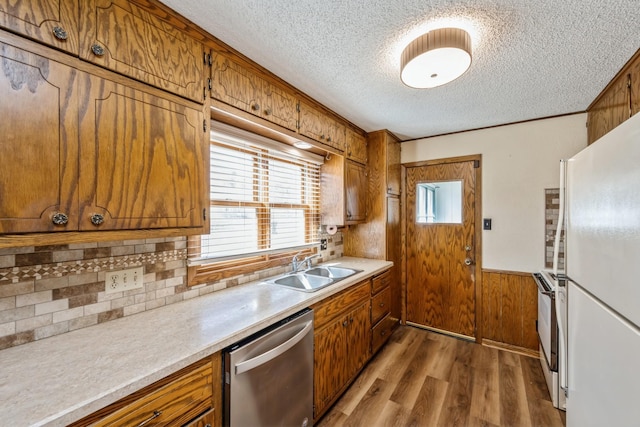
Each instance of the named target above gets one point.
<point>381,332</point>
<point>325,311</point>
<point>380,305</point>
<point>176,403</point>
<point>381,281</point>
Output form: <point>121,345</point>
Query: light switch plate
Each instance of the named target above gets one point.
<point>123,280</point>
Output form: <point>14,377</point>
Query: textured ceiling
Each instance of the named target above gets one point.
<point>531,59</point>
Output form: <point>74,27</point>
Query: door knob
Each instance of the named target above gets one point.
<point>468,261</point>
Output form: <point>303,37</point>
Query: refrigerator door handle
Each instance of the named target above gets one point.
<point>561,214</point>
<point>561,302</point>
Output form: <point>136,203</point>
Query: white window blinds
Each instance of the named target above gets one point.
<point>264,197</point>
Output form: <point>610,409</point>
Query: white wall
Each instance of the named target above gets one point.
<point>518,162</point>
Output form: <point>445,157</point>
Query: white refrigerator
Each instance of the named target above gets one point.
<point>599,323</point>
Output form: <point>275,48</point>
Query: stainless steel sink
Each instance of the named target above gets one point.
<point>314,278</point>
<point>332,272</point>
<point>303,282</point>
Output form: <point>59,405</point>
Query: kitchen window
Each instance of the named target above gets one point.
<point>264,206</point>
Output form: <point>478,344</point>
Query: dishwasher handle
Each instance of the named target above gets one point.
<point>247,365</point>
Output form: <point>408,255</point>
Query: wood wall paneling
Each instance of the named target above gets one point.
<point>510,308</point>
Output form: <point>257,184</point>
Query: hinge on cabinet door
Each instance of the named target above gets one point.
<point>476,164</point>
<point>298,107</point>
<point>210,83</point>
<point>297,124</point>
<point>204,126</point>
<point>210,59</point>
<point>204,214</point>
<point>207,59</point>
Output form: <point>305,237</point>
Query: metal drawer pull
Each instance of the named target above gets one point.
<point>60,33</point>
<point>381,304</point>
<point>97,50</point>
<point>60,219</point>
<point>155,415</point>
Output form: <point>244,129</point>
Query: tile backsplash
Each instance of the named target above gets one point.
<point>552,208</point>
<point>51,290</point>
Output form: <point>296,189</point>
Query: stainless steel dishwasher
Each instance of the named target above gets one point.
<point>269,376</point>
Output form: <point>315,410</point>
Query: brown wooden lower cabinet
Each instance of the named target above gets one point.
<point>188,397</point>
<point>381,321</point>
<point>342,339</point>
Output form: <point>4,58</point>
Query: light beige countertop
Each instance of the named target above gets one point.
<point>61,379</point>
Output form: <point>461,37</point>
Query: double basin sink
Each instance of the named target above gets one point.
<point>314,279</point>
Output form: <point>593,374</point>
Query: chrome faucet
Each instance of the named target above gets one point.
<point>295,264</point>
<point>308,260</point>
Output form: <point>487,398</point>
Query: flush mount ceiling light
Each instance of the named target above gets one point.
<point>436,58</point>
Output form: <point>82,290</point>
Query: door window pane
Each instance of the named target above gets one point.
<point>439,202</point>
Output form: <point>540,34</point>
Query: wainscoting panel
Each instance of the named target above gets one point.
<point>510,309</point>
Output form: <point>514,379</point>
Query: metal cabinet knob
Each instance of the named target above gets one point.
<point>267,112</point>
<point>468,261</point>
<point>97,219</point>
<point>97,50</point>
<point>60,33</point>
<point>255,107</point>
<point>60,219</point>
<point>345,323</point>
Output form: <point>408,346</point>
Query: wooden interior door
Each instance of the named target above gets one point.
<point>441,291</point>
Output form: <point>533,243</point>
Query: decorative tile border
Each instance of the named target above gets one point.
<point>37,272</point>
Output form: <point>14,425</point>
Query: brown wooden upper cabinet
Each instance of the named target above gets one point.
<point>316,124</point>
<point>142,158</point>
<point>236,84</point>
<point>52,22</point>
<point>356,146</point>
<point>39,148</point>
<point>393,165</point>
<point>355,192</point>
<point>617,102</point>
<point>128,39</point>
<point>87,152</point>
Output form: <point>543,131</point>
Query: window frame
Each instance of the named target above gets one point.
<point>216,269</point>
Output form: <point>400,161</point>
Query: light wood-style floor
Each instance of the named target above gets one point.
<point>421,378</point>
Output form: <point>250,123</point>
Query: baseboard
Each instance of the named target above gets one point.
<point>512,348</point>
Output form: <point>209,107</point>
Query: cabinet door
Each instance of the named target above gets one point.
<point>356,192</point>
<point>610,110</point>
<point>142,158</point>
<point>635,85</point>
<point>39,143</point>
<point>278,106</point>
<point>243,88</point>
<point>317,125</point>
<point>329,370</point>
<point>358,338</point>
<point>234,84</point>
<point>121,36</point>
<point>393,166</point>
<point>356,147</point>
<point>394,253</point>
<point>53,22</point>
<point>205,420</point>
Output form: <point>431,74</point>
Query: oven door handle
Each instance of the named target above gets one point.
<point>265,357</point>
<point>544,290</point>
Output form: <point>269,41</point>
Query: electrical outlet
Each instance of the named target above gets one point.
<point>323,244</point>
<point>123,280</point>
